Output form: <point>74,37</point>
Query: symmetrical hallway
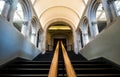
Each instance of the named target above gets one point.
<point>73,38</point>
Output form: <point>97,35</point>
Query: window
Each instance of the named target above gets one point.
<point>117,6</point>
<point>32,1</point>
<point>86,36</point>
<point>2,3</point>
<point>85,1</point>
<point>18,17</point>
<point>101,18</point>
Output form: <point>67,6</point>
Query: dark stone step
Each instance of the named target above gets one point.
<point>98,75</point>
<point>24,71</point>
<point>30,75</point>
<point>88,62</point>
<point>28,66</point>
<point>24,75</point>
<point>91,66</point>
<point>33,62</point>
<point>96,71</point>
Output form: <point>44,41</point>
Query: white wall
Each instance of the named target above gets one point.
<point>106,44</point>
<point>13,44</point>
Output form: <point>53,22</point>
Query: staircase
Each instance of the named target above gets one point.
<point>95,68</point>
<point>40,66</point>
<point>61,66</point>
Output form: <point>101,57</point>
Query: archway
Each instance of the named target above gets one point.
<point>101,17</point>
<point>18,17</point>
<point>86,34</point>
<point>59,31</point>
<point>22,16</point>
<point>97,17</point>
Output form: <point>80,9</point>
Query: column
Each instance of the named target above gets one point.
<point>85,38</point>
<point>94,28</point>
<point>13,6</point>
<point>33,35</point>
<point>113,10</point>
<point>6,9</point>
<point>75,42</point>
<point>24,29</point>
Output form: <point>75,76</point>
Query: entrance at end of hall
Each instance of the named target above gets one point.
<point>59,39</point>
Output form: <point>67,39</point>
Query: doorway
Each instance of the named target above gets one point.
<point>55,40</point>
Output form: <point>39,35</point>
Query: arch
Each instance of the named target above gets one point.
<point>26,9</point>
<point>92,17</point>
<point>27,15</point>
<point>85,29</point>
<point>59,20</point>
<point>83,21</point>
<point>69,15</point>
<point>92,9</point>
<point>58,35</point>
<point>57,7</point>
<point>35,21</point>
<point>34,34</point>
<point>61,23</point>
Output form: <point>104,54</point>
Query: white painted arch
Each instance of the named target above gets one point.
<point>59,12</point>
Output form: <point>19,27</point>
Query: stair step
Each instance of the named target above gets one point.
<point>91,66</point>
<point>41,68</point>
<point>24,72</point>
<point>96,71</point>
<point>32,62</point>
<point>30,75</point>
<point>24,75</point>
<point>97,75</point>
<point>87,62</point>
<point>28,66</point>
<point>60,75</point>
<point>27,70</point>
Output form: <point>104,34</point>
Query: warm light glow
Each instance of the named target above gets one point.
<point>59,28</point>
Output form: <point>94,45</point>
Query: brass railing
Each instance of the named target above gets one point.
<point>54,65</point>
<point>69,68</point>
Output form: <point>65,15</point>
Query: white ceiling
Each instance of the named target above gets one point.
<point>50,11</point>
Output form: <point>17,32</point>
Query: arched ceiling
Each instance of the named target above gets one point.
<point>48,10</point>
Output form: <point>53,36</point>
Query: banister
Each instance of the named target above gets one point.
<point>54,65</point>
<point>69,68</point>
